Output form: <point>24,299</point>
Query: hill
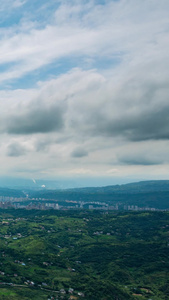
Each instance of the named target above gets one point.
<point>153,194</point>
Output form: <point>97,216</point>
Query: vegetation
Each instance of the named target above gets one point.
<point>152,194</point>
<point>84,255</point>
<point>141,195</point>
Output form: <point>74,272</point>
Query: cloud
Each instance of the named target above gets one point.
<point>79,152</point>
<point>135,110</point>
<point>138,160</point>
<point>138,126</point>
<point>91,106</point>
<point>15,149</point>
<point>42,144</point>
<point>144,153</point>
<point>10,4</point>
<point>92,79</point>
<point>83,30</point>
<point>18,3</point>
<point>36,121</point>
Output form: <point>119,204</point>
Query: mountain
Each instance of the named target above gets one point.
<point>153,194</point>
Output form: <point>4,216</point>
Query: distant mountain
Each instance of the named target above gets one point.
<point>142,186</point>
<point>143,194</point>
<point>152,194</point>
<point>134,187</point>
<point>5,192</point>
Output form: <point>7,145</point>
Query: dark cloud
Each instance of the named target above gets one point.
<point>142,119</point>
<point>138,160</point>
<point>147,125</point>
<point>15,149</point>
<point>79,152</point>
<point>36,120</point>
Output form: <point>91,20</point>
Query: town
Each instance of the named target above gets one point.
<point>43,204</point>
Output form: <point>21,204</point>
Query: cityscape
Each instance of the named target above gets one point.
<point>42,204</point>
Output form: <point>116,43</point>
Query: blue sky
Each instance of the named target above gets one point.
<point>84,89</point>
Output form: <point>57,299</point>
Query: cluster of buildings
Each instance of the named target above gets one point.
<point>43,204</point>
<point>31,205</point>
<point>137,208</point>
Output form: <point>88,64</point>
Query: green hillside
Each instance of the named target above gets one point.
<point>84,255</point>
<point>143,194</point>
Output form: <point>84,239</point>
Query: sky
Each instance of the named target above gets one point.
<point>84,89</point>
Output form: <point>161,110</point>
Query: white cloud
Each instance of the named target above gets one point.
<point>18,3</point>
<point>126,29</point>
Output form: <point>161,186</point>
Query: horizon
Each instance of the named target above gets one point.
<point>20,183</point>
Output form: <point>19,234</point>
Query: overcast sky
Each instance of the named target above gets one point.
<point>84,89</point>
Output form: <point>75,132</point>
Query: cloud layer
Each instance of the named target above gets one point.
<point>84,88</point>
